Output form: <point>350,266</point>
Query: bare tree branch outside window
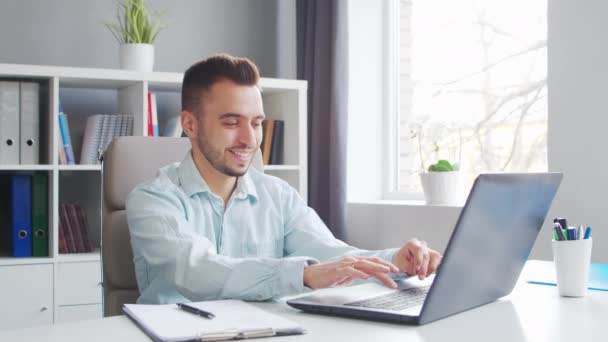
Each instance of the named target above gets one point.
<point>473,86</point>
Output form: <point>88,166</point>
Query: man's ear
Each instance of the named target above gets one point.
<point>189,124</point>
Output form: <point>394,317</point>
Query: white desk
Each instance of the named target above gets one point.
<point>530,313</point>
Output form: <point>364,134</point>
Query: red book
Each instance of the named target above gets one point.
<point>64,217</point>
<point>150,124</point>
<point>82,220</point>
<point>75,227</point>
<point>63,247</point>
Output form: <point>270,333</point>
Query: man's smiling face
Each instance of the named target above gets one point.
<point>230,126</point>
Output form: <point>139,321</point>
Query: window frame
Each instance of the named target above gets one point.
<point>391,99</point>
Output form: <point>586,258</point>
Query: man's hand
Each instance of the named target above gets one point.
<point>344,271</point>
<point>415,258</point>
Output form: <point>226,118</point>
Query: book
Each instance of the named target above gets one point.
<point>63,247</point>
<point>64,224</point>
<point>234,319</point>
<point>91,139</point>
<point>154,116</point>
<point>84,227</point>
<point>66,139</point>
<point>276,149</point>
<point>598,277</point>
<point>75,228</point>
<point>99,132</point>
<point>149,125</point>
<point>62,158</point>
<point>267,128</point>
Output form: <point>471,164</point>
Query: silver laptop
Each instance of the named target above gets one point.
<point>488,248</point>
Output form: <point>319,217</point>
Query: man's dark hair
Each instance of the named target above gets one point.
<point>202,75</point>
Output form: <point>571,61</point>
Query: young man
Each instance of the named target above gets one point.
<point>211,227</point>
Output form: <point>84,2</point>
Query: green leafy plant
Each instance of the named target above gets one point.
<point>444,166</point>
<point>437,141</point>
<point>135,23</point>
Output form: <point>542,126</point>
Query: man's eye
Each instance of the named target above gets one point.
<point>257,123</point>
<point>230,123</point>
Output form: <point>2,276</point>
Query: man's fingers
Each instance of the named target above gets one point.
<point>352,272</point>
<point>390,265</point>
<point>422,271</point>
<point>435,259</point>
<point>386,280</point>
<point>419,252</point>
<point>345,281</point>
<point>369,266</point>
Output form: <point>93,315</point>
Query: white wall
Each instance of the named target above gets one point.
<point>578,119</point>
<point>70,33</point>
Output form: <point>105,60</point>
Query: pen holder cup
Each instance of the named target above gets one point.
<point>572,259</point>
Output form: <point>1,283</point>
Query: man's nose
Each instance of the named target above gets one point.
<point>247,135</point>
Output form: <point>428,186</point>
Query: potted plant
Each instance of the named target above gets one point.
<point>441,181</point>
<point>135,28</point>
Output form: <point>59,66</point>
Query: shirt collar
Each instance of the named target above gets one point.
<point>193,182</point>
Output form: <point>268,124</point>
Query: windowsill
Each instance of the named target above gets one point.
<point>404,203</point>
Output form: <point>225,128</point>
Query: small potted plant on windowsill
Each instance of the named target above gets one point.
<point>441,181</point>
<point>135,28</point>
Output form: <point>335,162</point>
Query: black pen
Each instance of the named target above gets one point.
<point>196,311</point>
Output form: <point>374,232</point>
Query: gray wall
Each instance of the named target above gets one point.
<point>578,107</point>
<point>70,33</point>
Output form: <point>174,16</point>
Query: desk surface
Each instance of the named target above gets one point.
<point>530,313</point>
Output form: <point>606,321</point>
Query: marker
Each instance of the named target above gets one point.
<point>580,233</point>
<point>196,311</point>
<point>571,233</point>
<point>558,230</point>
<point>555,237</point>
<point>588,232</point>
<point>562,222</point>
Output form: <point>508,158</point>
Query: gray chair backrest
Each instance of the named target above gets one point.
<point>129,161</point>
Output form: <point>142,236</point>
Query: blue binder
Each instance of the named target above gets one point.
<point>21,212</point>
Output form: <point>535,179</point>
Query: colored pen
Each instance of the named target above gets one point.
<point>571,233</point>
<point>562,222</point>
<point>558,231</point>
<point>196,311</point>
<point>588,232</point>
<point>580,232</point>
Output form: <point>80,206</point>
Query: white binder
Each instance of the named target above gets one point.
<point>30,123</point>
<point>9,122</point>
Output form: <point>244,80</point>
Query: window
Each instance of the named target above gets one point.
<point>471,79</point>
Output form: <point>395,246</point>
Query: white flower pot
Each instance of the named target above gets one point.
<point>442,188</point>
<point>139,57</point>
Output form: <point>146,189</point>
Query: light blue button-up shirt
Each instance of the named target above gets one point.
<point>188,246</point>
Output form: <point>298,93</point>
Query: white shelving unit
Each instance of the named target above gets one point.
<point>65,287</point>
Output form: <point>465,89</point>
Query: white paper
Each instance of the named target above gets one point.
<point>232,317</point>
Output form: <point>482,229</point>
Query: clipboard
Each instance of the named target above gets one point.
<point>234,320</point>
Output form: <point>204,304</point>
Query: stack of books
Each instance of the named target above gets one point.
<point>272,141</point>
<point>99,132</point>
<point>73,229</point>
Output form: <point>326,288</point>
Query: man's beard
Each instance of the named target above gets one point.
<point>214,157</point>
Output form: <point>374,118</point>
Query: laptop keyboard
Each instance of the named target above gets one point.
<point>396,301</point>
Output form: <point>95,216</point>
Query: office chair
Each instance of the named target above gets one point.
<point>127,162</point>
